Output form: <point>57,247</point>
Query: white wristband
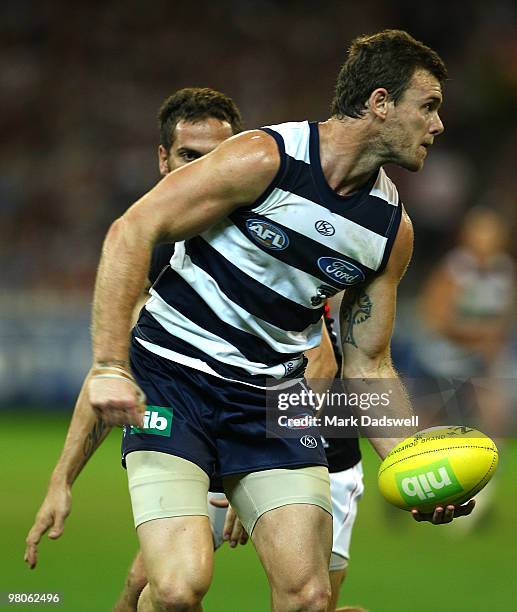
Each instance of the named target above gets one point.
<point>140,393</point>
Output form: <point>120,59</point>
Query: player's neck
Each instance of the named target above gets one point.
<point>348,158</point>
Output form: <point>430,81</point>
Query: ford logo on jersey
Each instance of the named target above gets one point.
<point>267,235</point>
<point>342,272</point>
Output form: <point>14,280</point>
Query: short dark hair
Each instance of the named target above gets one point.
<point>387,59</point>
<point>195,104</point>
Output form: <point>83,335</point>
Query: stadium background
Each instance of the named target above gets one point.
<point>80,86</point>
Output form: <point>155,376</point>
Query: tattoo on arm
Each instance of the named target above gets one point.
<point>92,439</point>
<point>356,308</point>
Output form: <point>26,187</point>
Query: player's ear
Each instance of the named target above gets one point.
<point>378,102</point>
<point>163,160</point>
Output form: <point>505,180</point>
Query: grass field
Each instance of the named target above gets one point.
<point>397,565</point>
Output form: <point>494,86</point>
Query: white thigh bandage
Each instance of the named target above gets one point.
<point>258,492</point>
<point>163,486</point>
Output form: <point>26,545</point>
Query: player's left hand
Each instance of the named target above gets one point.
<point>51,516</point>
<point>233,530</point>
<point>443,515</point>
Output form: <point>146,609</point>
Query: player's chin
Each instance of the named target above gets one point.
<point>414,164</point>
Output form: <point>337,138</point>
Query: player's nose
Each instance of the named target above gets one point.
<point>437,126</point>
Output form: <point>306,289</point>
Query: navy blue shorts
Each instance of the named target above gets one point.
<point>218,425</point>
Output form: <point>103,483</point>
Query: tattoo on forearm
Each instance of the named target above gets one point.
<point>93,438</point>
<point>355,309</point>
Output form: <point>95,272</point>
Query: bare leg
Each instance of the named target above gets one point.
<point>135,582</point>
<point>293,543</point>
<point>178,557</point>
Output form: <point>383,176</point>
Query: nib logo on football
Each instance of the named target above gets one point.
<point>433,481</point>
<point>157,421</point>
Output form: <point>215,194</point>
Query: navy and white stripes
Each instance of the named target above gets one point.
<point>244,299</point>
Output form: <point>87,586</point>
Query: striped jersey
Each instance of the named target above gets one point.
<point>244,299</point>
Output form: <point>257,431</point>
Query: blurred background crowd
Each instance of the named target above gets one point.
<point>80,87</point>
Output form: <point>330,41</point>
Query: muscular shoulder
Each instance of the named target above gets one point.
<point>402,249</point>
<point>234,174</point>
<point>256,146</point>
<point>250,159</point>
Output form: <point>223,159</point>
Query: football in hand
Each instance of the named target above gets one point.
<point>437,466</point>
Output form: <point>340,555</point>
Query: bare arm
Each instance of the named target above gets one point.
<point>367,317</point>
<point>86,433</point>
<point>185,203</point>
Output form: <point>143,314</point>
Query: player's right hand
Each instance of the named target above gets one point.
<point>117,400</point>
<point>444,514</point>
<point>52,515</point>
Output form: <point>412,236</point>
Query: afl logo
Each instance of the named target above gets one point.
<point>309,442</point>
<point>267,235</point>
<point>342,272</point>
<point>324,228</point>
